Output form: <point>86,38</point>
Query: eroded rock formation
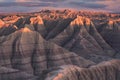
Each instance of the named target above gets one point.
<point>60,45</point>
<point>106,70</point>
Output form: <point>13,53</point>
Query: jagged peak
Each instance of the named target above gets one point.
<point>87,21</point>
<point>1,23</point>
<point>37,20</point>
<point>77,21</point>
<point>29,26</point>
<point>10,17</point>
<point>110,22</point>
<point>80,20</point>
<point>26,29</point>
<point>112,25</point>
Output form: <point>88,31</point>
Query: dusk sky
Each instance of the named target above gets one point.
<point>37,5</point>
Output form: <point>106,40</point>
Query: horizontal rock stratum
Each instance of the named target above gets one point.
<point>60,45</point>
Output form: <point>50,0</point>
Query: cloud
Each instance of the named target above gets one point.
<point>27,4</point>
<point>100,0</point>
<point>26,1</point>
<point>106,5</point>
<point>20,0</point>
<point>52,0</point>
<point>111,5</point>
<point>88,5</point>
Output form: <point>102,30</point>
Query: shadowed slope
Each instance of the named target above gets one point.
<point>103,71</point>
<point>82,37</point>
<point>28,51</point>
<point>111,33</point>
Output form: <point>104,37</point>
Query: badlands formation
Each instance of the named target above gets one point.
<point>60,45</point>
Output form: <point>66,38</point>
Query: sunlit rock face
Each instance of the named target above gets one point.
<point>1,23</point>
<point>60,45</point>
<point>81,36</point>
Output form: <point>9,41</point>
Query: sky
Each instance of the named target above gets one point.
<point>37,5</point>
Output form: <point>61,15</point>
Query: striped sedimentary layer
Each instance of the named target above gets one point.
<point>35,48</point>
<point>103,71</point>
